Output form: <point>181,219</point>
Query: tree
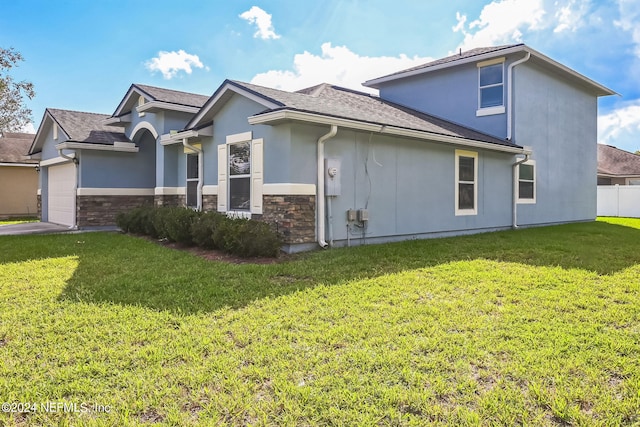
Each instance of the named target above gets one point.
<point>14,114</point>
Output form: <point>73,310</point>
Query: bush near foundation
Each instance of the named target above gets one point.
<point>211,230</point>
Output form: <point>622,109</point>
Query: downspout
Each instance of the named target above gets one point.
<point>74,226</point>
<point>510,92</point>
<point>320,191</point>
<point>185,143</point>
<point>514,223</point>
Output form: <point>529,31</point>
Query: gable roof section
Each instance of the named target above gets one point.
<point>160,97</point>
<point>615,162</point>
<point>485,53</point>
<point>77,126</point>
<point>327,104</point>
<point>13,146</point>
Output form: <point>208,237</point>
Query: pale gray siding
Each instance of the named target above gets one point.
<point>558,120</point>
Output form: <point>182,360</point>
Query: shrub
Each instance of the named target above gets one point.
<point>177,224</point>
<point>136,220</point>
<point>158,221</point>
<point>247,238</point>
<point>203,227</point>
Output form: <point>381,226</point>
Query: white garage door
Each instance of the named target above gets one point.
<point>61,199</point>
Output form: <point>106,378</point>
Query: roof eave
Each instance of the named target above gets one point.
<point>125,147</point>
<point>153,106</point>
<point>279,116</point>
<point>600,90</point>
<point>220,93</point>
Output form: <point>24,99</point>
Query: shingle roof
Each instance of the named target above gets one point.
<point>86,127</point>
<point>457,57</point>
<point>614,161</point>
<point>335,101</point>
<point>173,96</point>
<point>15,145</point>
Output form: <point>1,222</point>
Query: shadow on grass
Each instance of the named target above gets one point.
<point>119,269</point>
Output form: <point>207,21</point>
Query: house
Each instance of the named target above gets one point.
<point>483,140</point>
<point>91,170</point>
<point>617,167</point>
<point>18,176</point>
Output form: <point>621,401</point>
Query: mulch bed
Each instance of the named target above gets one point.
<point>217,255</point>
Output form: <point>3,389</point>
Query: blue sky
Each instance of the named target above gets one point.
<point>83,55</point>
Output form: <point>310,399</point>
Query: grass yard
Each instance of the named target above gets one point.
<point>527,327</point>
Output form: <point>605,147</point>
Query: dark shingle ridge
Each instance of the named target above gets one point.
<point>173,96</point>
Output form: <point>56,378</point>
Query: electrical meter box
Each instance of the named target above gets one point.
<point>332,177</point>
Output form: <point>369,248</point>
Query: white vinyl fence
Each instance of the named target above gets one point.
<point>619,200</point>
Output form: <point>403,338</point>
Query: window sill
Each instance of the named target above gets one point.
<point>490,111</point>
<point>466,212</point>
<point>526,201</point>
<point>239,214</point>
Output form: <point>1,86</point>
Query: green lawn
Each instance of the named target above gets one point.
<point>528,327</point>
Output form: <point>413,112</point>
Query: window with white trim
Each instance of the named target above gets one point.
<point>192,180</point>
<point>240,177</point>
<point>466,190</point>
<point>491,86</point>
<point>527,182</point>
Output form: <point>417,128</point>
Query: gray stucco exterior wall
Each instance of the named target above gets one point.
<point>558,120</point>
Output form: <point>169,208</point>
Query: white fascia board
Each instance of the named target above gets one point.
<point>56,160</point>
<point>161,105</point>
<point>118,121</point>
<point>98,147</point>
<point>176,138</point>
<point>36,156</point>
<point>22,165</point>
<point>276,116</point>
<point>452,140</point>
<point>115,191</point>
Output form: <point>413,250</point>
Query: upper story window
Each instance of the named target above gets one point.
<point>491,87</point>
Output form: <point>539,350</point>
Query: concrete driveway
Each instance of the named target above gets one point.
<point>32,228</point>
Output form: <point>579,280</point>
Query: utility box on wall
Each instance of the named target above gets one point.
<point>332,177</point>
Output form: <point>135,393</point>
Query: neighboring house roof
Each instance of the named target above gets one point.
<point>484,53</point>
<point>77,126</point>
<point>614,162</point>
<point>157,97</point>
<point>14,146</point>
<point>336,102</point>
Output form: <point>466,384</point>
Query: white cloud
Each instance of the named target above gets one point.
<point>570,16</point>
<point>629,21</point>
<point>621,127</point>
<point>508,21</point>
<point>29,128</point>
<point>262,19</point>
<point>336,65</point>
<point>171,63</point>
